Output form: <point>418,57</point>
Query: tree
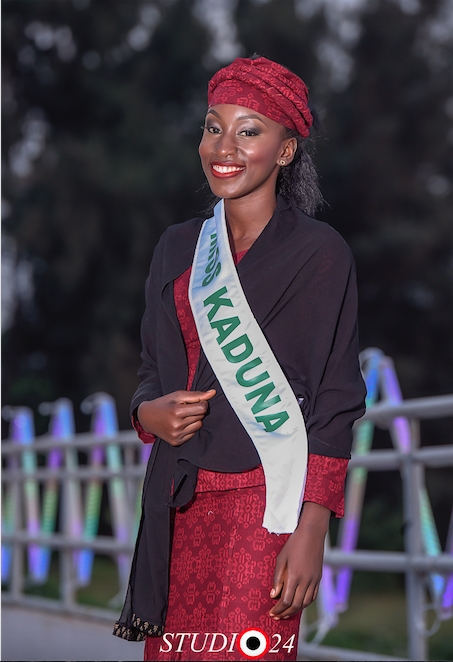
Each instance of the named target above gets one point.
<point>118,114</point>
<point>102,105</point>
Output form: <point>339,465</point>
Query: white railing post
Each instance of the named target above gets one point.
<point>412,474</point>
<point>66,555</point>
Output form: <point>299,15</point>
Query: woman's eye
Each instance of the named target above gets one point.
<point>211,129</point>
<point>248,132</point>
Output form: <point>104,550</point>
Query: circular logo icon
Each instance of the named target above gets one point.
<point>253,643</point>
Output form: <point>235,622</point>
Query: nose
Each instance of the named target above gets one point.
<point>226,144</point>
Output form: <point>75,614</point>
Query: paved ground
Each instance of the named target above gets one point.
<point>36,636</point>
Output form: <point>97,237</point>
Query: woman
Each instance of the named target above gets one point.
<point>230,546</point>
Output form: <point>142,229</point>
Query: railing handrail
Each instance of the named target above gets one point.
<point>375,460</point>
<point>360,559</point>
<point>437,406</point>
<point>82,440</point>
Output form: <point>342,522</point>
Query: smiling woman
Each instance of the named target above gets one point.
<point>241,155</point>
<point>250,386</point>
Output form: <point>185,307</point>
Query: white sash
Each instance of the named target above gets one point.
<point>249,373</point>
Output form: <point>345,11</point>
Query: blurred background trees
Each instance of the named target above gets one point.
<point>102,104</point>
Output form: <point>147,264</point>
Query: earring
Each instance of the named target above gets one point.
<point>282,162</point>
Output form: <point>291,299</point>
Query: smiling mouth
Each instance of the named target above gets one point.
<point>226,169</point>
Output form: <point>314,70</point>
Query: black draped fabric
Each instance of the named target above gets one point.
<point>299,280</point>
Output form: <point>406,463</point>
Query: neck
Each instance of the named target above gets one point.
<point>246,219</point>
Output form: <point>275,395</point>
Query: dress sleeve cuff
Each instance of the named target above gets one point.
<point>146,437</point>
<point>325,482</point>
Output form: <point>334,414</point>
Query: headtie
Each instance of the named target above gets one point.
<point>264,86</point>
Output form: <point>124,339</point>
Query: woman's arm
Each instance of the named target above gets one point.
<point>339,401</point>
<point>298,569</point>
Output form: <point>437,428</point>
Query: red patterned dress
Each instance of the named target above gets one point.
<point>223,560</point>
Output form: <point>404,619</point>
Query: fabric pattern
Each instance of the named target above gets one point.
<point>266,87</point>
<point>221,573</point>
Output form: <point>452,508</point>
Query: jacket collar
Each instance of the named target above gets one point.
<point>181,248</point>
<point>183,242</point>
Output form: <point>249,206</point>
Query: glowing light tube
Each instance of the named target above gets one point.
<point>92,504</point>
<point>61,428</point>
<point>431,542</point>
<point>23,432</point>
<point>400,430</point>
<point>7,527</point>
<point>401,435</point>
<point>104,424</point>
<point>325,603</point>
<point>356,482</point>
<point>7,510</point>
<point>447,597</point>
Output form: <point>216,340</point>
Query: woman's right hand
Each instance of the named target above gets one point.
<point>175,417</point>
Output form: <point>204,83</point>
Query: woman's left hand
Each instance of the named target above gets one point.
<point>298,568</point>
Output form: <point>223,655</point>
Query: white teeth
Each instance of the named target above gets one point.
<point>223,170</point>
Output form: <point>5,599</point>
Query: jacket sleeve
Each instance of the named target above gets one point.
<point>325,482</point>
<point>340,398</point>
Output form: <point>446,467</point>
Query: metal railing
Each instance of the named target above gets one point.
<point>417,562</point>
<point>69,470</point>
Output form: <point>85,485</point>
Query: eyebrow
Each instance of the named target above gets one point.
<point>242,117</point>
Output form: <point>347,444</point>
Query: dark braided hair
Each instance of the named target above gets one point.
<point>298,181</point>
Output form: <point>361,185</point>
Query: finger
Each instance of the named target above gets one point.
<point>185,436</point>
<point>188,420</point>
<point>310,595</point>
<point>315,594</point>
<point>207,395</point>
<point>297,604</point>
<point>285,602</point>
<point>197,396</point>
<point>198,409</point>
<point>293,602</point>
<point>279,577</point>
<point>192,427</point>
<point>179,438</point>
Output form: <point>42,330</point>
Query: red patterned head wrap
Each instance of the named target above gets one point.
<point>264,86</point>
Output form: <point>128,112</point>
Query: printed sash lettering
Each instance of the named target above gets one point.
<point>249,373</point>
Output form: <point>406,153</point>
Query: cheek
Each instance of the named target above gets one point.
<point>204,148</point>
<point>203,151</point>
<point>266,155</point>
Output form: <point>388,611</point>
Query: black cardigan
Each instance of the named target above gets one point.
<point>299,280</point>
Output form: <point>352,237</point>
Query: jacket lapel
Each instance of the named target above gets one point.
<point>265,271</point>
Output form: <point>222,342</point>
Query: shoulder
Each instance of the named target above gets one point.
<point>174,252</point>
<point>320,237</point>
<point>181,233</point>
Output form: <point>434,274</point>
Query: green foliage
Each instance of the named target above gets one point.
<point>376,622</point>
<point>393,190</point>
<point>120,165</point>
<point>103,587</point>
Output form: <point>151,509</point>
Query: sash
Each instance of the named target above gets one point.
<point>249,374</point>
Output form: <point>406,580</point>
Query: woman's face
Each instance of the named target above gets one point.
<point>241,151</point>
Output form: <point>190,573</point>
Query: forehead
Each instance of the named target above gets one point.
<point>229,112</point>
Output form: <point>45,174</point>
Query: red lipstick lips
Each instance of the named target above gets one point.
<point>226,170</point>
